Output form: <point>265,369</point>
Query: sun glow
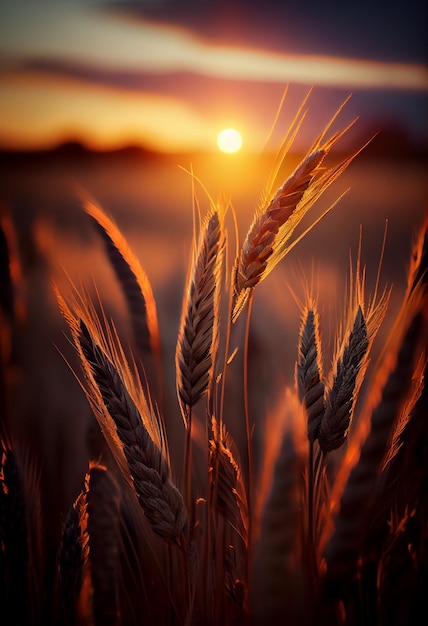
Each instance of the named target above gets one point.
<point>229,140</point>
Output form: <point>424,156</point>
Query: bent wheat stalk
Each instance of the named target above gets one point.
<point>160,499</point>
<point>138,293</point>
<point>132,430</point>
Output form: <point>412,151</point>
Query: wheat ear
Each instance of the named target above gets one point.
<point>132,429</point>
<point>310,387</point>
<point>198,332</point>
<point>340,400</point>
<point>228,506</point>
<point>197,337</point>
<point>103,509</point>
<point>260,245</point>
<point>136,289</point>
<point>342,549</point>
<point>309,372</point>
<point>161,501</point>
<point>226,479</point>
<point>269,237</point>
<point>374,311</point>
<point>72,561</point>
<point>22,568</point>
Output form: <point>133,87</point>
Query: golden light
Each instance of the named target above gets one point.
<point>229,140</point>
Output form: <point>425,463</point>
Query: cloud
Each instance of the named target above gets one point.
<point>71,71</point>
<point>75,33</point>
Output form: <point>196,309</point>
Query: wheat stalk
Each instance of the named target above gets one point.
<point>418,266</point>
<point>310,386</point>
<point>198,332</point>
<point>278,586</point>
<point>103,510</point>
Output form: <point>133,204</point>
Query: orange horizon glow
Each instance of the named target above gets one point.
<point>39,110</point>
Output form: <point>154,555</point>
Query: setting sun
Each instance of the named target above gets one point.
<point>229,140</point>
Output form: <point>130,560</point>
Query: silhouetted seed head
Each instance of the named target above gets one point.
<point>197,337</point>
<point>341,397</point>
<point>309,373</point>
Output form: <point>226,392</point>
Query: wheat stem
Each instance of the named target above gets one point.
<point>248,432</point>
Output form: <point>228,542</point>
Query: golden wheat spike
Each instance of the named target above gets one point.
<point>261,242</point>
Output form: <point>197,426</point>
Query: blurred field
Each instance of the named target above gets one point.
<point>150,197</point>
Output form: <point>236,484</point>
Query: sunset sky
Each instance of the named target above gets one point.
<point>170,75</point>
